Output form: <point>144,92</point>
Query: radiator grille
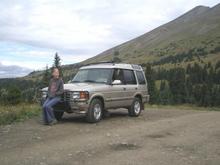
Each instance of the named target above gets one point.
<point>66,96</point>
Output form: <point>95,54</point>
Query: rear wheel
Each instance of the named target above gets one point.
<point>95,111</point>
<point>58,115</point>
<point>135,108</point>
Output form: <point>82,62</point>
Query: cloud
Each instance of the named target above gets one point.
<point>83,25</point>
<point>9,71</point>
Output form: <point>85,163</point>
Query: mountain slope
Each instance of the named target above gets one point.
<point>197,29</point>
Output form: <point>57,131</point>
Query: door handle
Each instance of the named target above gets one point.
<point>136,88</point>
<point>124,89</point>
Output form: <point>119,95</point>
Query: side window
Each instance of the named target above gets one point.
<point>140,77</point>
<point>129,77</point>
<point>118,75</point>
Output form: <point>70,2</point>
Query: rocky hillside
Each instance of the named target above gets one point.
<point>194,36</point>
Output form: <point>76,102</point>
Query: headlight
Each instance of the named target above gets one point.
<point>84,95</point>
<point>76,95</point>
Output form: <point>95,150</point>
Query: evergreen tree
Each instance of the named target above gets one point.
<point>165,96</point>
<point>57,60</point>
<point>116,53</point>
<point>217,100</point>
<point>215,96</point>
<point>57,63</point>
<point>189,91</point>
<point>177,85</point>
<point>197,94</point>
<point>217,77</point>
<point>205,95</point>
<point>205,74</point>
<point>151,84</point>
<point>13,95</point>
<point>211,75</point>
<point>217,65</point>
<point>188,69</point>
<point>162,85</point>
<point>116,59</point>
<point>3,96</point>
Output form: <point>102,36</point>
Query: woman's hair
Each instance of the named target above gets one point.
<point>54,69</point>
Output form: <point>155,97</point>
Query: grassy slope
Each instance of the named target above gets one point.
<point>14,113</point>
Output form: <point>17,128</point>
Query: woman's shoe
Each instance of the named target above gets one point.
<point>53,122</point>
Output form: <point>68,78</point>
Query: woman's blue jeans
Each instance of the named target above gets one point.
<point>48,113</point>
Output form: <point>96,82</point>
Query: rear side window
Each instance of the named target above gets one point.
<point>129,77</point>
<point>140,77</point>
<point>118,75</point>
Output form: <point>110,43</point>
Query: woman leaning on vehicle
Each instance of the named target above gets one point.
<point>55,90</point>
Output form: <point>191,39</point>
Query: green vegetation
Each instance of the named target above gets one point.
<point>15,91</point>
<point>46,76</point>
<point>197,84</point>
<point>20,112</point>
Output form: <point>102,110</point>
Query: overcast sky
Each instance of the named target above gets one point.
<point>31,31</point>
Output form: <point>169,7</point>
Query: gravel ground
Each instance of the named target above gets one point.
<point>158,136</point>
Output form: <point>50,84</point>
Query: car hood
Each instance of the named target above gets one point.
<point>80,87</point>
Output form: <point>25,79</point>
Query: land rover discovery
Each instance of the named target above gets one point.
<point>98,87</point>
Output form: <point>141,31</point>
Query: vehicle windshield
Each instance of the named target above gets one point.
<point>96,75</point>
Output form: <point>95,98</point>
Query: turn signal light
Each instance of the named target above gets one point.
<point>84,95</point>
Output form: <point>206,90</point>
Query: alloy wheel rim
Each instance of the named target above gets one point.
<point>137,107</point>
<point>97,111</point>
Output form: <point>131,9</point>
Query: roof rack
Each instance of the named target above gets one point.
<point>101,62</point>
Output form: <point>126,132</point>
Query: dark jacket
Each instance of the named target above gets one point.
<point>58,88</point>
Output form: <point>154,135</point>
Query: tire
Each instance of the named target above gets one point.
<point>95,111</point>
<point>135,109</point>
<point>58,115</point>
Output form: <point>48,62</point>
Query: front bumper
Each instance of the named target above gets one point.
<point>69,105</point>
<point>79,106</point>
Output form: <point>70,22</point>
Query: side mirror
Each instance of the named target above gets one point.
<point>116,82</point>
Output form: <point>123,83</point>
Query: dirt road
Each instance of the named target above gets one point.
<point>157,137</point>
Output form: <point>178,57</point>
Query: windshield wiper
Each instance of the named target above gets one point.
<point>75,81</point>
<point>92,81</point>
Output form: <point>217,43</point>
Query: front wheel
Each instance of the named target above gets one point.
<point>58,115</point>
<point>95,111</point>
<point>135,108</point>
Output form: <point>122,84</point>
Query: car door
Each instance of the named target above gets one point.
<point>115,97</point>
<point>131,86</point>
